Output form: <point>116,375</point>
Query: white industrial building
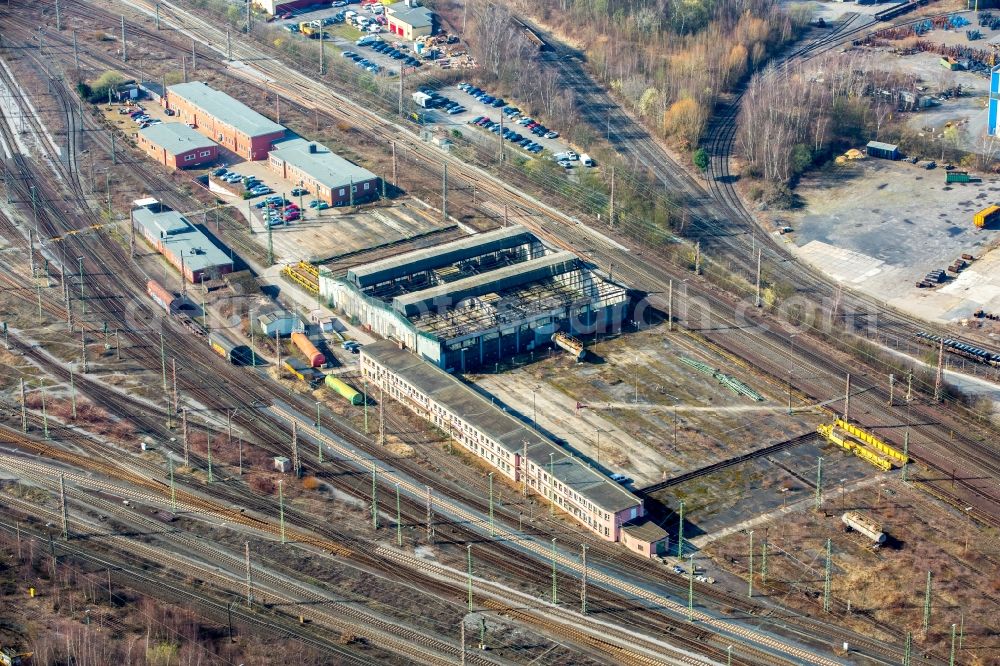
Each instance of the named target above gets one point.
<point>478,300</point>
<point>520,453</point>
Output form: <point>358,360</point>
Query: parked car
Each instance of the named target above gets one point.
<point>296,191</point>
<point>221,171</point>
<point>551,135</point>
<point>347,54</point>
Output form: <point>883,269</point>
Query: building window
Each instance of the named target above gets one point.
<point>188,158</point>
<point>366,185</point>
<point>341,191</point>
<point>205,153</point>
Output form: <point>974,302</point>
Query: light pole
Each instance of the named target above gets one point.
<point>492,530</point>
<point>83,303</point>
<point>750,590</point>
<point>968,526</point>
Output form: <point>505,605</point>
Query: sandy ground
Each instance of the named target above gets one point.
<point>880,226</point>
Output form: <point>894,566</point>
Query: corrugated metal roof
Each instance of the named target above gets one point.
<point>417,17</point>
<point>178,235</point>
<point>440,255</point>
<point>465,403</point>
<point>882,146</point>
<point>224,108</point>
<point>447,295</point>
<point>176,138</point>
<point>324,166</point>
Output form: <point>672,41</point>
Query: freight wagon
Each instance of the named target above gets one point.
<point>299,369</point>
<point>235,354</point>
<point>160,296</point>
<point>987,216</point>
<point>313,356</point>
<point>344,390</point>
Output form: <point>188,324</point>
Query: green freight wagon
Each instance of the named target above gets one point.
<point>344,390</point>
<point>960,177</point>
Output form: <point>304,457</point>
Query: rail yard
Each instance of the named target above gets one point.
<point>337,388</point>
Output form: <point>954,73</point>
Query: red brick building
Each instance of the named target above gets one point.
<point>232,124</point>
<point>177,146</point>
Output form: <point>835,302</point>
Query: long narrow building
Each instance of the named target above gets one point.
<point>520,453</point>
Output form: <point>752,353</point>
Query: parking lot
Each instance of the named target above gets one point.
<point>475,109</point>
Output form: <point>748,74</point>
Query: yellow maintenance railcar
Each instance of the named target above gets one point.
<point>987,216</point>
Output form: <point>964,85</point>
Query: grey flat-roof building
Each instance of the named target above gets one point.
<point>521,453</point>
<point>479,300</point>
<point>324,173</point>
<point>228,121</point>
<point>180,242</point>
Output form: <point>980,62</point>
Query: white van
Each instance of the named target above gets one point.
<point>586,160</point>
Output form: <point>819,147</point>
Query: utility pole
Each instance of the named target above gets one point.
<point>468,550</point>
<point>24,413</point>
<point>124,44</point>
<point>381,417</point>
<point>583,581</point>
<point>65,528</point>
<point>951,659</point>
<point>524,475</point>
<point>611,200</point>
<point>750,589</point>
<point>173,489</point>
<point>892,386</point>
<point>208,447</point>
<point>83,349</point>
<point>555,590</point>
<point>763,560</point>
<point>500,138</point>
<point>758,277</point>
<point>907,648</point>
<point>163,362</point>
<point>697,258</point>
<point>281,509</point>
<point>909,385</point>
<point>847,399</point>
<point>45,416</point>
<point>156,20</point>
<point>229,50</point>
<point>927,603</point>
<point>401,91</point>
<point>680,530</point>
<point>374,495</point>
<point>72,392</point>
<point>184,435</point>
<point>58,17</point>
<point>395,183</point>
<point>322,66</point>
<point>826,579</point>
<point>246,550</point>
<point>444,194</point>
<point>296,469</point>
<point>819,482</point>
<point>492,530</point>
<point>461,640</point>
<point>940,372</point>
<point>430,517</point>
<point>906,454</point>
<point>670,305</point>
<point>399,523</point>
<point>76,60</point>
<point>173,371</point>
<point>691,588</point>
<point>194,57</point>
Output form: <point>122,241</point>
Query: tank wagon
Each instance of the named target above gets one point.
<point>313,356</point>
<point>342,388</point>
<point>862,524</point>
<point>569,344</point>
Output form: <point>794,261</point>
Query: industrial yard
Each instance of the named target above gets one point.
<point>858,225</point>
<point>281,374</point>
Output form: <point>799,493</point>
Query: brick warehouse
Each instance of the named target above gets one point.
<point>325,174</point>
<point>177,146</point>
<point>234,125</point>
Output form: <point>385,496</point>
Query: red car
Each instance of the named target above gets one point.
<point>291,215</point>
